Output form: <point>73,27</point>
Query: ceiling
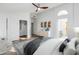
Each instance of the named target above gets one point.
<point>23,7</point>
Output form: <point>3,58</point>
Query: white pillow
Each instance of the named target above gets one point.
<point>70,48</point>
<point>77,49</point>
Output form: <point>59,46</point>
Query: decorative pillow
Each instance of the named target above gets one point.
<point>70,49</point>
<point>63,45</point>
<point>61,48</point>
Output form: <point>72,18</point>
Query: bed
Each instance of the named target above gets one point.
<point>50,46</point>
<point>39,46</point>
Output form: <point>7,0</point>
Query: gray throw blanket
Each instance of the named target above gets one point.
<point>32,46</point>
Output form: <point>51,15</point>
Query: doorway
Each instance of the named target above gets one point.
<point>23,28</point>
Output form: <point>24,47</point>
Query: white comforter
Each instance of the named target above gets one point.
<point>50,47</point>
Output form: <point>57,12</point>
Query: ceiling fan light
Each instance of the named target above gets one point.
<point>39,9</point>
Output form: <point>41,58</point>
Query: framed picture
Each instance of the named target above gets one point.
<point>41,24</point>
<point>49,23</point>
<point>45,24</point>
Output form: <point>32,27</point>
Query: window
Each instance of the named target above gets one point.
<point>62,12</point>
<point>62,27</point>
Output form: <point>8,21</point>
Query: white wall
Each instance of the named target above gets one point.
<point>14,18</point>
<point>76,14</point>
<point>42,17</point>
<point>2,26</point>
<point>52,16</point>
<point>3,16</point>
<point>13,24</point>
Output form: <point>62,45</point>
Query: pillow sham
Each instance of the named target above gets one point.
<point>63,45</point>
<point>70,49</point>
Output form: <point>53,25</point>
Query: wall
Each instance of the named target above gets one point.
<point>13,24</point>
<point>42,17</point>
<point>2,25</point>
<point>51,15</point>
<point>14,18</point>
<point>76,15</point>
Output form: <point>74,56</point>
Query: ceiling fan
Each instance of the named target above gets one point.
<point>38,6</point>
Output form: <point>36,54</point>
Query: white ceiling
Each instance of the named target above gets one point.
<point>23,7</point>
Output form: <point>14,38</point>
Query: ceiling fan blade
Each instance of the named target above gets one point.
<point>35,5</point>
<point>43,7</point>
<point>37,10</point>
<point>38,7</point>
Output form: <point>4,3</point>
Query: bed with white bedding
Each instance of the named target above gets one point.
<point>33,46</point>
<point>43,47</point>
<point>49,46</point>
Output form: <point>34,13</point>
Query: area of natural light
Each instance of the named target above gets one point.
<point>62,27</point>
<point>62,12</point>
